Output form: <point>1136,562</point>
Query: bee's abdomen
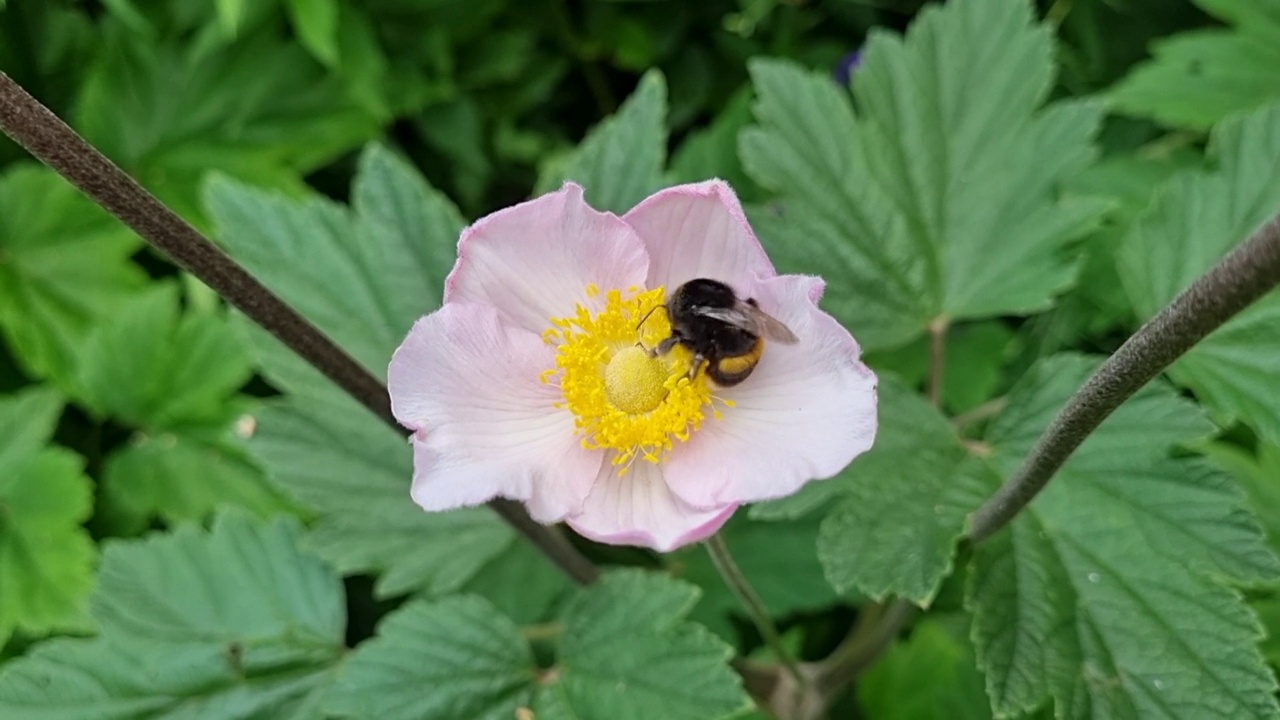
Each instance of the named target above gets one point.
<point>728,371</point>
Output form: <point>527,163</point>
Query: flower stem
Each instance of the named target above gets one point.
<point>985,411</point>
<point>51,141</point>
<point>542,632</point>
<point>937,356</point>
<point>738,583</point>
<point>878,624</point>
<point>1058,12</point>
<point>1243,276</point>
<point>549,540</point>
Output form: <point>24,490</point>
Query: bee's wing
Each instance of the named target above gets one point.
<point>753,320</point>
<point>771,327</point>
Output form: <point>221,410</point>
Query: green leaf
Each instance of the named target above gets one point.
<point>620,161</point>
<point>810,498</point>
<point>1105,594</point>
<point>316,22</point>
<point>65,679</point>
<point>937,198</point>
<point>1268,610</point>
<point>974,355</point>
<point>64,264</point>
<point>383,90</point>
<point>904,503</point>
<point>341,462</point>
<point>242,581</point>
<point>456,130</point>
<point>272,236</point>
<point>712,152</point>
<point>172,376</point>
<point>500,55</point>
<point>521,583</point>
<point>1128,183</point>
<point>27,421</point>
<point>1196,218</point>
<point>1198,78</point>
<point>624,653</point>
<point>1206,528</point>
<point>930,675</point>
<point>128,14</point>
<point>230,15</point>
<point>229,623</point>
<point>46,558</point>
<point>154,367</point>
<point>346,466</point>
<point>255,108</point>
<point>184,475</point>
<point>455,659</point>
<point>370,274</point>
<point>1257,475</point>
<point>416,225</point>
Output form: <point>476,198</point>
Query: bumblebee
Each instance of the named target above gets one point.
<point>720,329</point>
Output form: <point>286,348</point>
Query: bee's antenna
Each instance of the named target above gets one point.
<point>646,316</point>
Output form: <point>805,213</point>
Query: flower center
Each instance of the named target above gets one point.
<point>623,399</point>
<point>634,382</point>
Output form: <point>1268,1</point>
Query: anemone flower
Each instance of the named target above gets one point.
<point>537,381</point>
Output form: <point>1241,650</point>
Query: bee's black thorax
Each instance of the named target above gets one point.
<point>705,336</point>
<point>715,340</point>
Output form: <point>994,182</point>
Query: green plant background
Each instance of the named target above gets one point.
<point>195,524</point>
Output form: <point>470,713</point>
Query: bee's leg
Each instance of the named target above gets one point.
<point>664,347</point>
<point>695,366</point>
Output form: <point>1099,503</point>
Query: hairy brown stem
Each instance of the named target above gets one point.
<point>1239,279</point>
<point>51,141</point>
<point>1246,274</point>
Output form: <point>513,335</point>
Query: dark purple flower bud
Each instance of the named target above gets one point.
<point>844,69</point>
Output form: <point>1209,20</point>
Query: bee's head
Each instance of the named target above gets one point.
<point>702,293</point>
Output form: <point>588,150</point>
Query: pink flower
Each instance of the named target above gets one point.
<point>529,384</point>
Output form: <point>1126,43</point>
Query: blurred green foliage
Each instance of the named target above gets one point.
<point>181,499</point>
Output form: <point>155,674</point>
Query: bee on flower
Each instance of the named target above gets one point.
<point>637,377</point>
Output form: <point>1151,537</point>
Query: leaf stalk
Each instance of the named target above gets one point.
<point>877,627</point>
<point>937,357</point>
<point>741,587</point>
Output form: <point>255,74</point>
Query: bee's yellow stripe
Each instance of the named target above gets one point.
<point>737,365</point>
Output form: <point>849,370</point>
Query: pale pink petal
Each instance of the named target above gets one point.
<point>485,426</point>
<point>698,231</point>
<point>804,414</point>
<point>638,509</point>
<point>534,261</point>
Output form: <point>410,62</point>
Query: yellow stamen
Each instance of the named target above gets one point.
<point>622,399</point>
